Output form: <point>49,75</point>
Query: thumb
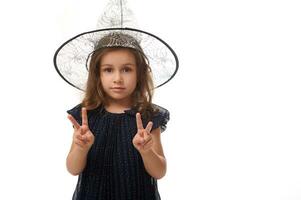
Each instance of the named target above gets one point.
<point>141,141</point>
<point>90,138</point>
<point>138,140</point>
<point>141,133</point>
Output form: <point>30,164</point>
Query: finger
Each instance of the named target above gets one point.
<point>149,127</point>
<point>147,140</point>
<point>84,138</point>
<point>84,116</point>
<point>73,121</point>
<point>79,137</point>
<point>140,141</point>
<point>140,132</point>
<point>89,138</point>
<point>139,121</point>
<point>82,130</point>
<point>148,145</point>
<point>80,143</point>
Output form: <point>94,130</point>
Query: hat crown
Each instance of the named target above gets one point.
<point>117,15</point>
<point>118,39</point>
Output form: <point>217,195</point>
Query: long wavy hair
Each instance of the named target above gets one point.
<point>141,98</point>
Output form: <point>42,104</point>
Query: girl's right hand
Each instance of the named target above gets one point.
<point>82,136</point>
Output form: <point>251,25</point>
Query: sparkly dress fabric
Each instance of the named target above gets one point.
<point>114,168</point>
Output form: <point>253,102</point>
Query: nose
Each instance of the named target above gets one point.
<point>118,78</point>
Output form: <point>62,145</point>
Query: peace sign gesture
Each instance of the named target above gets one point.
<point>82,136</point>
<point>143,141</point>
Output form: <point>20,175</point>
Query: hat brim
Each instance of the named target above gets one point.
<point>72,64</point>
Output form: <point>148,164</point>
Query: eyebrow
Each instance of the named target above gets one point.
<point>109,65</point>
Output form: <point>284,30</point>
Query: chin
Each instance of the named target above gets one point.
<point>119,96</point>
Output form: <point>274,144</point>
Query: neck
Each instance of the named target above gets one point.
<point>118,105</point>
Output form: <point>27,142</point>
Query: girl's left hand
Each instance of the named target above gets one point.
<point>143,140</point>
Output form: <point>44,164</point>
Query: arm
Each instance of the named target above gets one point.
<point>83,139</point>
<point>76,160</point>
<point>154,159</point>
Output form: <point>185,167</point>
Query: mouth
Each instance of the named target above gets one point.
<point>117,89</point>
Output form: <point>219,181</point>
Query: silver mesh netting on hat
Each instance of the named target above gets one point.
<point>71,60</point>
<point>116,14</point>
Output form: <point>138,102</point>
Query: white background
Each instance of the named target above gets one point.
<point>235,106</point>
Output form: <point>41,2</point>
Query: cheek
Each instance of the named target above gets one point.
<point>103,80</point>
<point>130,81</point>
<point>133,80</point>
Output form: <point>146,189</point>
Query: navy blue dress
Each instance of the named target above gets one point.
<point>115,169</point>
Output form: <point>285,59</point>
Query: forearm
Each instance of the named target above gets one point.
<point>154,164</point>
<point>76,160</point>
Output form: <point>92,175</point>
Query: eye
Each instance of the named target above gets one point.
<point>127,69</point>
<point>107,69</point>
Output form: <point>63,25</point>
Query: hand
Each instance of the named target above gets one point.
<point>82,136</point>
<point>143,140</point>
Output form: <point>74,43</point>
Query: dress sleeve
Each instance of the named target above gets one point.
<point>76,113</point>
<point>161,118</point>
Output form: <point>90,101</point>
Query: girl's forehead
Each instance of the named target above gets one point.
<point>120,56</point>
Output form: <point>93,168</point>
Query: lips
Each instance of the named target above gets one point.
<point>117,89</point>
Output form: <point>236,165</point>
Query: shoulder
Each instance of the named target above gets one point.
<point>76,112</point>
<point>160,118</point>
<point>159,109</point>
<point>160,112</point>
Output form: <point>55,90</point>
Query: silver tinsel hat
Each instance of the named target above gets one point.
<point>71,60</point>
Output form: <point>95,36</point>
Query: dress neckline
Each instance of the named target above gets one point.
<point>125,112</point>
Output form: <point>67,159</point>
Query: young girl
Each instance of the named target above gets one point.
<point>116,148</point>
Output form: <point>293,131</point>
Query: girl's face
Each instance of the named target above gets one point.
<point>118,75</point>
